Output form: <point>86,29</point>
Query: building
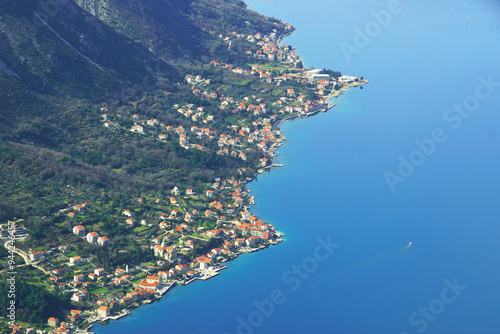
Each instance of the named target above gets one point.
<point>36,256</point>
<point>78,278</point>
<point>138,129</point>
<point>92,237</point>
<point>103,241</point>
<point>79,230</point>
<point>60,271</point>
<point>75,260</point>
<point>53,322</point>
<point>77,297</point>
<point>99,271</point>
<point>103,311</point>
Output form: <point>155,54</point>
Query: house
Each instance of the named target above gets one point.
<point>75,260</point>
<point>79,230</point>
<point>120,280</point>
<point>170,253</point>
<point>92,237</point>
<point>60,271</point>
<point>99,271</point>
<point>78,278</point>
<point>204,262</point>
<point>127,213</point>
<point>153,122</point>
<point>210,193</point>
<point>149,286</point>
<point>240,242</point>
<point>103,312</point>
<point>182,267</point>
<point>137,128</point>
<point>64,248</point>
<point>77,297</point>
<point>36,256</point>
<point>53,322</point>
<point>244,214</point>
<point>153,279</point>
<point>103,241</point>
<point>75,314</point>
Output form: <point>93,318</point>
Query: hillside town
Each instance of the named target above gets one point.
<point>191,233</point>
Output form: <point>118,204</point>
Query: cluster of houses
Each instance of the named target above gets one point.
<point>268,48</point>
<point>236,235</point>
<point>91,237</point>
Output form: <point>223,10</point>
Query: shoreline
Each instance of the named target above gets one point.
<point>208,274</point>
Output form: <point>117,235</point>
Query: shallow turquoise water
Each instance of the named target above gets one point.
<point>428,58</point>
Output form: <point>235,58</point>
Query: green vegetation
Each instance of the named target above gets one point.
<point>145,134</point>
<point>33,304</point>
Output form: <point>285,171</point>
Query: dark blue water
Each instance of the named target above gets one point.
<point>428,58</point>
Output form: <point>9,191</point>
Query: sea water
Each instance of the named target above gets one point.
<point>346,265</point>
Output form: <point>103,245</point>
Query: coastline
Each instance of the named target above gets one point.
<point>326,106</point>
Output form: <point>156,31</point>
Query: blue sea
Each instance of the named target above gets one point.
<point>414,156</point>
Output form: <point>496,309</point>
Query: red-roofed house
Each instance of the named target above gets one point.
<point>92,237</point>
<point>103,241</point>
<point>103,311</point>
<point>79,230</point>
<point>35,256</point>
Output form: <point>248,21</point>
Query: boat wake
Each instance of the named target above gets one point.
<point>347,269</point>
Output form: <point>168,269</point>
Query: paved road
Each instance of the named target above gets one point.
<point>26,258</point>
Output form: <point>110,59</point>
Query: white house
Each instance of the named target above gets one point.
<point>79,230</point>
<point>92,237</point>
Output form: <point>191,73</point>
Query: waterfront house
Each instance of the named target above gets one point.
<point>182,267</point>
<point>153,279</point>
<point>149,286</point>
<point>103,311</point>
